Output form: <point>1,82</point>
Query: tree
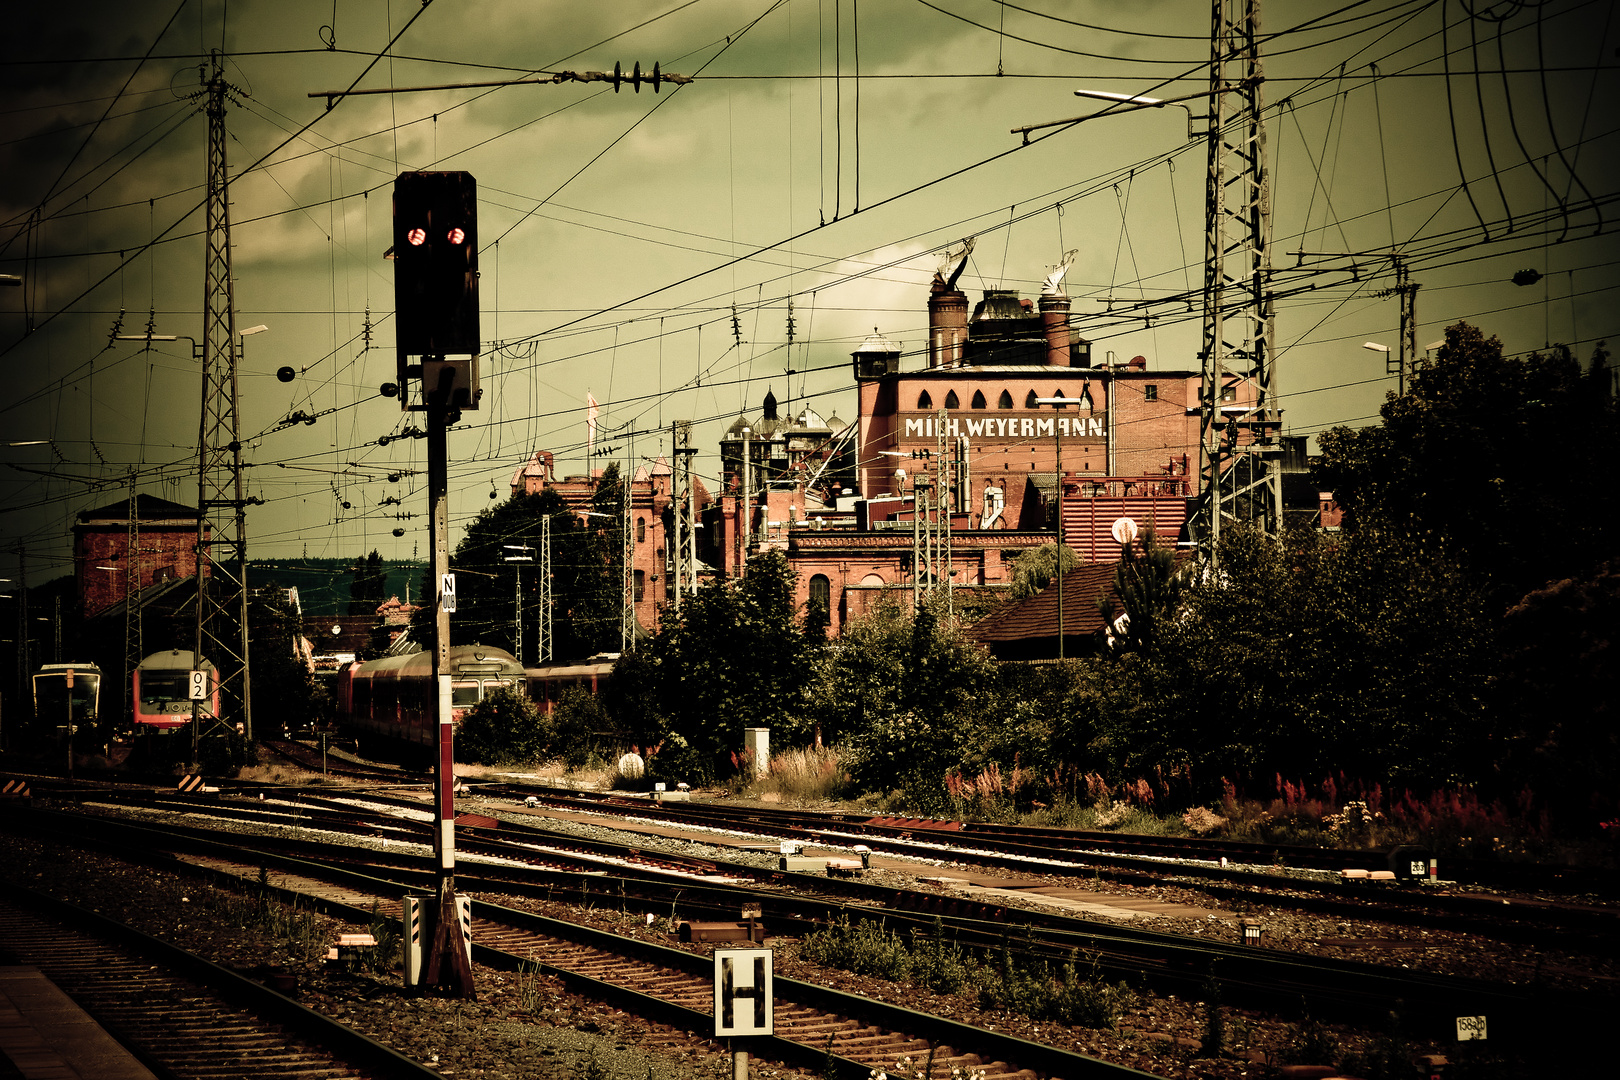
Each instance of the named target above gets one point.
<point>1558,688</point>
<point>285,696</point>
<point>909,698</point>
<point>1032,570</point>
<point>585,598</point>
<point>734,656</point>
<point>1149,587</point>
<point>504,728</point>
<point>1367,654</point>
<point>367,585</point>
<point>1503,456</point>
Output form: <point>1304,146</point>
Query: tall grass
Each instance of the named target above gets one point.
<point>814,774</point>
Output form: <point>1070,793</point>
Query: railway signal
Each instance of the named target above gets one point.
<point>436,263</point>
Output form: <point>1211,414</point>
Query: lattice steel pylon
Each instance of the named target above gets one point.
<point>1236,481</point>
<point>543,600</point>
<point>627,565</point>
<point>683,549</point>
<point>222,597</point>
<point>134,644</point>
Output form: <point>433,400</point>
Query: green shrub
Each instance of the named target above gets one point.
<point>866,948</point>
<point>504,729</point>
<point>580,728</point>
<point>943,967</point>
<point>1088,1002</point>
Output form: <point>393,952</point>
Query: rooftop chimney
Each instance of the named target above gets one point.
<point>1055,321</point>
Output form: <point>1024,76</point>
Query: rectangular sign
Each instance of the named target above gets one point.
<point>1070,428</point>
<point>199,686</point>
<point>743,992</point>
<point>447,592</point>
<point>1470,1027</point>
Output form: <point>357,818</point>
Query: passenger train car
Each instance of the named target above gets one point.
<point>547,684</point>
<point>162,690</point>
<point>394,698</point>
<point>62,691</point>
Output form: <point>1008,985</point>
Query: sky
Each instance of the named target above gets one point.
<point>652,250</point>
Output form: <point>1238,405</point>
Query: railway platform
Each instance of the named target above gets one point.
<point>44,1035</point>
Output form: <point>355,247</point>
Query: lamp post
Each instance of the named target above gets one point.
<point>1059,402</point>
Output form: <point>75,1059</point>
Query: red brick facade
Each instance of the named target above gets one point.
<point>838,499</point>
<point>167,548</point>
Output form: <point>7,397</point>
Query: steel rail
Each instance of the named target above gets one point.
<point>353,1047</point>
<point>1278,979</point>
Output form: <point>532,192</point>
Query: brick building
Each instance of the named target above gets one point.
<point>166,549</point>
<point>651,519</point>
<point>977,416</point>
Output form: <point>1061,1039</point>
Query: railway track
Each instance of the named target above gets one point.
<point>1531,921</point>
<point>1167,963</point>
<point>818,1026</point>
<point>183,1016</point>
<point>1036,842</point>
<point>1539,924</point>
<point>332,763</point>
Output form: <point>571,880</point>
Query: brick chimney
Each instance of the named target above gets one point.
<point>1055,321</point>
<point>947,327</point>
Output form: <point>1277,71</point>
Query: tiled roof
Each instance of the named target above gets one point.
<point>1036,617</point>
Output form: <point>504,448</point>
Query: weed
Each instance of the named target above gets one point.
<point>866,948</point>
<point>1312,1044</point>
<point>1017,987</point>
<point>529,985</point>
<point>593,1068</point>
<point>1088,1002</point>
<point>1201,821</point>
<point>385,932</point>
<point>1214,1023</point>
<point>943,967</point>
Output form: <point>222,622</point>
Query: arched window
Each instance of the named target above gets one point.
<point>951,401</point>
<point>924,402</point>
<point>978,399</point>
<point>1029,401</point>
<point>641,530</point>
<point>1005,401</point>
<point>821,592</point>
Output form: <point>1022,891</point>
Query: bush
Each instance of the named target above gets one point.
<point>224,754</point>
<point>866,948</point>
<point>943,967</point>
<point>1089,1002</point>
<point>580,728</point>
<point>504,729</point>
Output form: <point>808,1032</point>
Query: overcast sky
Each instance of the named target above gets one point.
<point>644,248</point>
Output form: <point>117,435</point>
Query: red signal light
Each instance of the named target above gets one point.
<point>456,236</point>
<point>417,237</point>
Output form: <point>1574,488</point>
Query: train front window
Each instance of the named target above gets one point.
<point>463,694</point>
<point>158,687</point>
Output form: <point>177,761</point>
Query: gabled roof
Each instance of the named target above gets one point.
<point>1037,616</point>
<point>147,507</point>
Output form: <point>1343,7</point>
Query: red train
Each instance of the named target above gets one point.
<point>546,684</point>
<point>162,690</point>
<point>395,698</point>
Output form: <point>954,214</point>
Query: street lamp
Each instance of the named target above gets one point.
<point>1124,103</point>
<point>1059,402</point>
<point>1140,101</point>
<point>1398,366</point>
